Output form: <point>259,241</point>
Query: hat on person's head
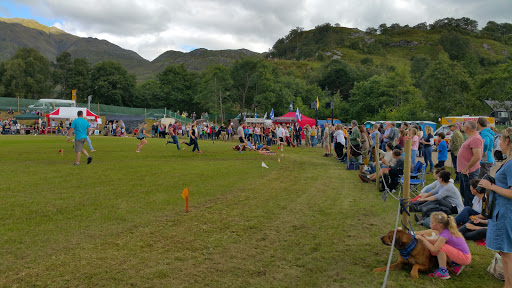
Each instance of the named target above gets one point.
<point>388,123</point>
<point>398,147</point>
<point>452,124</point>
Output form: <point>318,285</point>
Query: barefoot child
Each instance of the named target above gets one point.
<point>142,137</point>
<point>450,245</point>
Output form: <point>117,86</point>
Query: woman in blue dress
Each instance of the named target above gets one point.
<point>499,231</point>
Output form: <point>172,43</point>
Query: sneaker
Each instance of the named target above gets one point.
<point>418,218</point>
<point>89,160</point>
<point>364,178</point>
<point>440,274</point>
<point>457,268</point>
<point>76,164</point>
<point>200,152</point>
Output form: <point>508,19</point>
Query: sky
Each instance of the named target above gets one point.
<point>151,27</point>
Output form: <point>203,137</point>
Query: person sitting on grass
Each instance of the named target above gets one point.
<point>476,209</point>
<point>430,186</point>
<point>395,170</point>
<point>450,245</point>
<point>442,151</point>
<point>475,229</point>
<point>445,195</point>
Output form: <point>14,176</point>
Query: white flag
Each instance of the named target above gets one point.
<point>264,165</point>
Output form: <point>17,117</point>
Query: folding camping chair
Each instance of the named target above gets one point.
<point>415,184</point>
<point>418,169</point>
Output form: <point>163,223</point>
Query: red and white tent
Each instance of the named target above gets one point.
<point>291,118</point>
<point>70,113</point>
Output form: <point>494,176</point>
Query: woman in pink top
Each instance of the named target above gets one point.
<point>413,134</point>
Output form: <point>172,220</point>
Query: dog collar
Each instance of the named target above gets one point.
<point>406,252</point>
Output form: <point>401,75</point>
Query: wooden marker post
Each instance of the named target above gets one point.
<point>376,160</point>
<point>407,182</point>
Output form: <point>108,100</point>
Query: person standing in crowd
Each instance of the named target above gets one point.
<point>365,145</point>
<point>297,134</point>
<point>455,143</point>
<point>375,139</point>
<point>487,155</point>
<point>339,139</point>
<point>325,141</point>
<point>468,160</point>
<point>385,135</point>
<point>355,142</point>
<point>313,132</point>
<point>307,135</point>
<point>257,134</point>
<point>499,231</point>
<point>415,142</point>
<point>79,127</point>
<point>428,141</point>
<point>442,150</point>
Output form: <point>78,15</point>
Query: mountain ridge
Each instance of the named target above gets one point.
<point>51,41</point>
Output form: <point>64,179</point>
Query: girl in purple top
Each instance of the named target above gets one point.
<point>450,245</point>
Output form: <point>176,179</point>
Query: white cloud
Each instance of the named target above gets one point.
<point>151,27</point>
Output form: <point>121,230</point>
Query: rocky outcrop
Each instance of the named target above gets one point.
<point>403,43</point>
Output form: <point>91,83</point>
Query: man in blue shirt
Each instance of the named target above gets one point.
<point>80,127</point>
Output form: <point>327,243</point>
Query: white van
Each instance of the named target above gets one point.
<point>49,104</point>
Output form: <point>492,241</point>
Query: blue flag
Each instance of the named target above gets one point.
<point>255,114</point>
<point>265,117</point>
<point>298,115</point>
<point>272,114</point>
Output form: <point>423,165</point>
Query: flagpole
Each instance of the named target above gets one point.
<point>186,205</point>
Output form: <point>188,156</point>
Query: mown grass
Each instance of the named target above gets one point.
<point>120,221</point>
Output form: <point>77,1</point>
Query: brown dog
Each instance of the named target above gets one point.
<point>419,257</point>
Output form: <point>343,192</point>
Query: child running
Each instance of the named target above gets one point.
<point>450,245</point>
<point>142,137</point>
<point>193,140</point>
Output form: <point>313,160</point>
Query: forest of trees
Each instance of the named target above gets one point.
<point>453,80</point>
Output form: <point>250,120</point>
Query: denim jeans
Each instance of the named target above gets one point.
<point>473,234</point>
<point>174,141</point>
<point>427,156</point>
<point>256,139</point>
<point>464,215</point>
<point>313,141</point>
<point>413,157</point>
<point>454,164</point>
<point>89,143</point>
<point>464,187</point>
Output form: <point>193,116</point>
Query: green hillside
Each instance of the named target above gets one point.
<point>392,48</point>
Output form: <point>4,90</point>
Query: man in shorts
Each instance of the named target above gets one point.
<point>80,127</point>
<point>240,132</point>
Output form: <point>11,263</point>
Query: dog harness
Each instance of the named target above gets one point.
<point>406,252</point>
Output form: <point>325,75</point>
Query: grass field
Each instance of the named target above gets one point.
<point>120,221</point>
